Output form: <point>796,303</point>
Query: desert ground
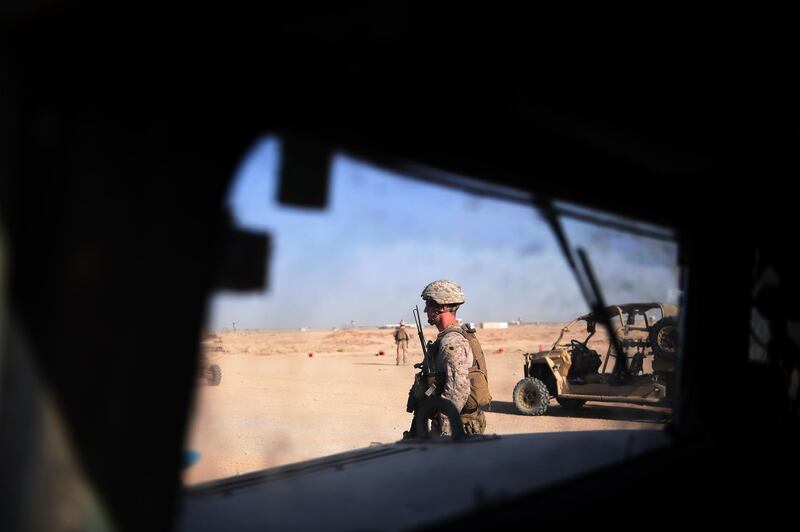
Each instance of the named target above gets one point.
<point>292,395</point>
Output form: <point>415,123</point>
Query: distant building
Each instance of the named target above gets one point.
<point>494,325</point>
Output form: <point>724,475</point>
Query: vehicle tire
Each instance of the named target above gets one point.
<point>664,338</point>
<point>531,396</point>
<point>571,404</point>
<point>213,375</point>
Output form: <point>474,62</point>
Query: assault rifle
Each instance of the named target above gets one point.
<point>424,382</point>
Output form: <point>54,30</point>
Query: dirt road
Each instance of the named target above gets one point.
<point>278,405</point>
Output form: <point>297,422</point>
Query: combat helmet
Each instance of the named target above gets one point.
<point>443,292</point>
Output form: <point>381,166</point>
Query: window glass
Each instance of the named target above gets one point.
<point>310,367</point>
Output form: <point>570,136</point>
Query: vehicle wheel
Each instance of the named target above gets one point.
<point>571,404</point>
<point>531,396</point>
<point>664,338</point>
<point>213,375</point>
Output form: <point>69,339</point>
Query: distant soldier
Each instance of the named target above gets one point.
<point>401,339</point>
<point>462,376</point>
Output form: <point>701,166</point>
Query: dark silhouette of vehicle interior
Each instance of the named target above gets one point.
<point>573,373</point>
<point>122,128</point>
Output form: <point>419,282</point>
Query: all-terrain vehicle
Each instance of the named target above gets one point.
<point>573,373</point>
<point>208,372</point>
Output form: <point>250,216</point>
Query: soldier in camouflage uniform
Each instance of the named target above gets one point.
<point>401,339</point>
<point>454,358</point>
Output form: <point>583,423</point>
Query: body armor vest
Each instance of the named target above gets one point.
<point>479,394</point>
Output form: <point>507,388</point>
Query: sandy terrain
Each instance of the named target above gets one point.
<point>277,405</point>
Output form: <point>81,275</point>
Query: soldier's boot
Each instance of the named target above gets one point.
<point>474,423</point>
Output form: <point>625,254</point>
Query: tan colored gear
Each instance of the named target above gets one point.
<point>443,292</point>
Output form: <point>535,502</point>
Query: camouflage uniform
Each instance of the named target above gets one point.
<point>453,360</point>
<point>401,339</point>
<point>461,374</point>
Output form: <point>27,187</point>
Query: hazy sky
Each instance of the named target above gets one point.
<point>384,237</point>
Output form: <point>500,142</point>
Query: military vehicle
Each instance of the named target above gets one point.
<point>574,373</point>
<point>209,372</point>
